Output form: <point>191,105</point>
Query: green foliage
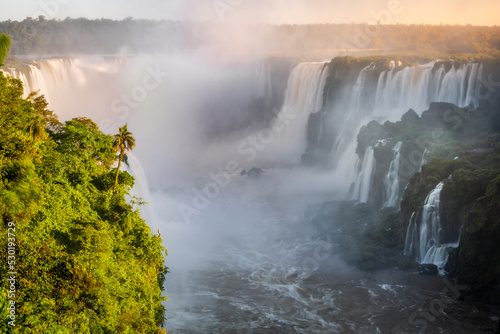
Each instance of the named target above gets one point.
<point>86,260</point>
<point>4,47</point>
<point>476,261</point>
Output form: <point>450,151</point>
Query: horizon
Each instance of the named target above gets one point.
<point>275,12</point>
<point>251,24</point>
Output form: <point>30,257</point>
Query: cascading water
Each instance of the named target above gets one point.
<point>424,158</point>
<point>247,262</point>
<point>416,87</point>
<point>352,119</point>
<point>75,86</point>
<point>391,180</point>
<point>397,90</point>
<point>458,85</point>
<point>362,185</point>
<point>141,187</point>
<point>411,236</point>
<point>303,96</point>
<point>424,241</point>
<point>430,225</point>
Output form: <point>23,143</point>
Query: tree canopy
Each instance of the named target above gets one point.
<point>86,261</point>
<point>103,36</point>
<point>4,47</point>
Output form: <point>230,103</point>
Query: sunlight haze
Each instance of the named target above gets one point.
<point>485,12</point>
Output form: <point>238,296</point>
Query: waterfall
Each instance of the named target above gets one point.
<point>424,158</point>
<point>74,87</point>
<point>411,235</point>
<point>304,91</point>
<point>430,225</point>
<point>263,87</point>
<point>458,85</point>
<point>424,236</point>
<point>399,90</point>
<point>416,87</point>
<point>391,180</point>
<point>351,119</point>
<point>395,91</point>
<point>358,90</point>
<point>362,185</point>
<point>98,88</point>
<point>303,96</point>
<point>141,186</point>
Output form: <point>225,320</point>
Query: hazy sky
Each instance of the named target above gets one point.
<point>480,12</point>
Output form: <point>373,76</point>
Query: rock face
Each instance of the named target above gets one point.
<point>467,161</point>
<point>344,72</point>
<point>470,211</point>
<point>428,269</point>
<point>477,260</point>
<point>459,147</point>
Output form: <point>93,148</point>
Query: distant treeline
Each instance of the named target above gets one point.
<point>82,36</point>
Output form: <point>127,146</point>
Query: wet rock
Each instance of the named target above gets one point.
<point>410,116</point>
<point>428,269</point>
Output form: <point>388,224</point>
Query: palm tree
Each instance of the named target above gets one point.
<point>122,142</point>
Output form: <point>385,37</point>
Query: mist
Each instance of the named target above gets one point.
<point>248,145</point>
<point>256,12</point>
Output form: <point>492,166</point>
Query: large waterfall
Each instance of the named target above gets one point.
<point>303,96</point>
<point>312,117</point>
<point>245,255</point>
<point>76,86</point>
<point>388,97</point>
<point>111,91</point>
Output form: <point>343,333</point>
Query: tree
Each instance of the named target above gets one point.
<point>88,262</point>
<point>122,142</point>
<point>4,47</point>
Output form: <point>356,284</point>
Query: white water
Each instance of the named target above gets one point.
<point>430,225</point>
<point>396,92</point>
<point>353,117</point>
<point>391,180</point>
<point>363,183</point>
<point>245,259</point>
<point>77,86</point>
<point>72,81</point>
<point>424,158</point>
<point>304,95</point>
<point>141,189</point>
<point>416,87</point>
<point>424,234</point>
<point>411,235</point>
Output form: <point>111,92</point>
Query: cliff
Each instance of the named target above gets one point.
<point>462,146</point>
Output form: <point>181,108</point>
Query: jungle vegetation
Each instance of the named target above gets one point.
<point>84,259</point>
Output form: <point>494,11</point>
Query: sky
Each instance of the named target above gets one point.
<point>480,12</point>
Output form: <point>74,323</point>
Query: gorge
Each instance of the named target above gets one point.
<point>369,163</point>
